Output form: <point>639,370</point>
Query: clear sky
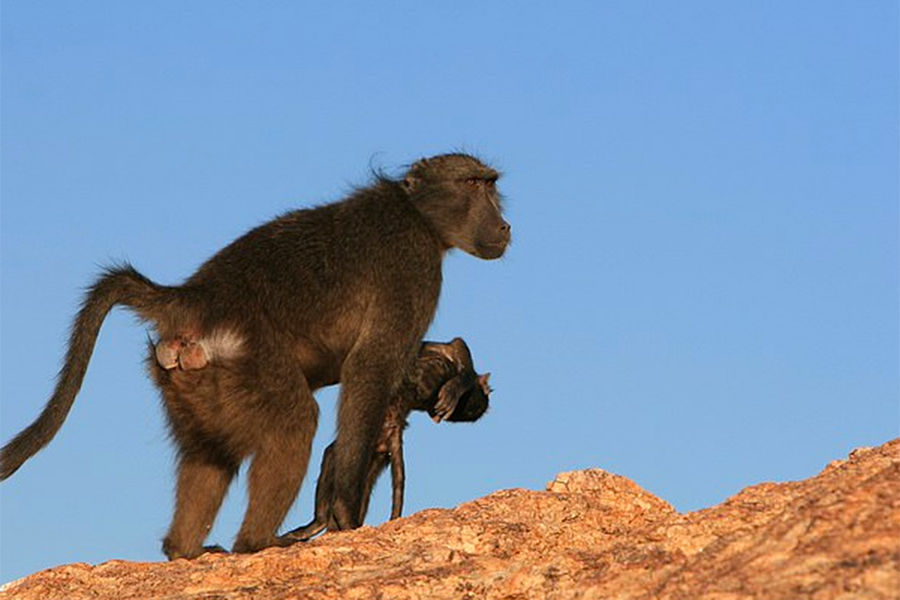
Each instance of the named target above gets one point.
<point>702,293</point>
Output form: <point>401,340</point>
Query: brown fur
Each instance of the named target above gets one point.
<point>442,374</point>
<point>339,293</point>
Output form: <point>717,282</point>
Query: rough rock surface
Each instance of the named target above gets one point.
<point>592,534</point>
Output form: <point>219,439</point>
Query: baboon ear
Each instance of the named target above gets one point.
<point>445,351</point>
<point>410,182</point>
<point>462,355</point>
<point>483,382</point>
<point>414,175</point>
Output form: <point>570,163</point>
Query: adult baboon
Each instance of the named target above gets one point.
<point>339,293</point>
<point>443,383</point>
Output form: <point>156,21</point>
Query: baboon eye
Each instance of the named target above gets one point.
<point>473,181</point>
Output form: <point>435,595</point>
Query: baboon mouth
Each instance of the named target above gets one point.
<point>491,251</point>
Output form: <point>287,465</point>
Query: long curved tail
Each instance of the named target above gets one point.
<point>118,285</point>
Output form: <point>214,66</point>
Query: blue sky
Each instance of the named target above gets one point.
<point>702,293</point>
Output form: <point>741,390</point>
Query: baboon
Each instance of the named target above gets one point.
<point>443,383</point>
<point>338,293</point>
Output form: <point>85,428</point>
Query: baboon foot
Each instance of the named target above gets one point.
<point>305,533</point>
<point>173,552</point>
<point>250,547</point>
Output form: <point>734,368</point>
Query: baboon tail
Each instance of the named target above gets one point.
<point>119,285</point>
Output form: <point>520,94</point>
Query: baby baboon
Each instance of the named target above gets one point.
<point>442,382</point>
<point>438,366</point>
<point>339,293</point>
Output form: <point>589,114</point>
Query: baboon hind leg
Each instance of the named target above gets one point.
<point>278,467</point>
<point>398,476</point>
<point>324,492</point>
<point>202,483</point>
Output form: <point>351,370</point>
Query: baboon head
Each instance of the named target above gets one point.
<point>457,193</point>
<point>474,403</point>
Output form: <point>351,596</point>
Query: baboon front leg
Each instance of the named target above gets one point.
<point>376,465</point>
<point>366,388</point>
<point>202,483</point>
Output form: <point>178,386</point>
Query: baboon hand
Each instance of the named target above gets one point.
<point>448,398</point>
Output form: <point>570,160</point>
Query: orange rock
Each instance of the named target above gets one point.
<point>591,535</point>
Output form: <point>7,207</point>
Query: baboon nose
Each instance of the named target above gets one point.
<point>506,228</point>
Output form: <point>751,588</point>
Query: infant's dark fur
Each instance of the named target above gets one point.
<point>443,383</point>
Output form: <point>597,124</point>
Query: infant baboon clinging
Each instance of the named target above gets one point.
<point>339,293</point>
<point>442,382</point>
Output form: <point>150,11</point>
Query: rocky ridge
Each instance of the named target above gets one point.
<point>592,534</point>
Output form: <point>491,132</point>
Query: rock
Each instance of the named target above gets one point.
<point>592,534</point>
